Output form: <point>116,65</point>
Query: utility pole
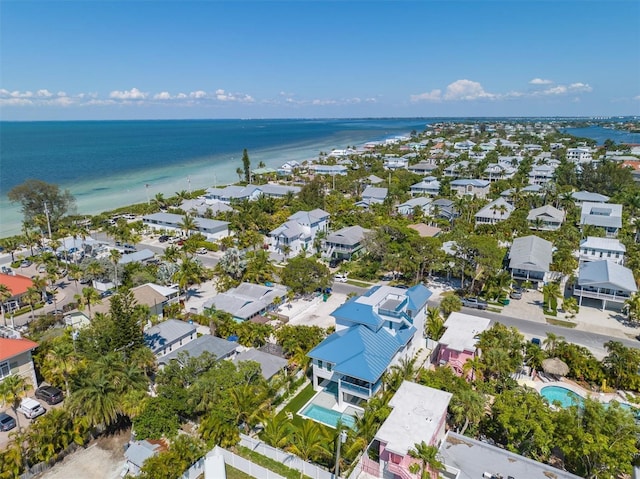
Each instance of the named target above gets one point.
<point>342,437</point>
<point>146,186</point>
<point>46,212</point>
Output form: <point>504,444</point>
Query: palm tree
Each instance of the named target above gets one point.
<point>32,297</point>
<point>469,406</point>
<point>89,297</point>
<point>12,390</point>
<point>429,462</point>
<point>115,256</point>
<point>40,284</point>
<point>61,361</point>
<point>632,307</point>
<point>95,270</point>
<point>309,442</point>
<point>160,201</point>
<point>5,295</point>
<point>188,224</point>
<point>96,398</point>
<point>249,402</point>
<point>551,293</point>
<point>434,327</point>
<point>276,432</point>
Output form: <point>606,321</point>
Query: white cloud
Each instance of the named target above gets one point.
<point>44,93</point>
<point>466,90</point>
<point>540,81</point>
<point>133,94</point>
<point>199,94</point>
<point>164,95</point>
<point>556,90</point>
<point>433,95</point>
<point>580,87</point>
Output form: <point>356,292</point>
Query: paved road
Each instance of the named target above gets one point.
<point>593,341</point>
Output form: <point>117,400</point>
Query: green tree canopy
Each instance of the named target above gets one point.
<point>34,194</point>
<point>305,275</point>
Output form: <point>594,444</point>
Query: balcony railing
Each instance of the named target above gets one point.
<point>616,297</point>
<point>366,391</point>
<point>398,470</point>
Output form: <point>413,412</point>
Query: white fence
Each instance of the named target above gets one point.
<point>289,460</point>
<point>247,466</point>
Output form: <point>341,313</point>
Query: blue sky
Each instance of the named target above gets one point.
<point>63,60</point>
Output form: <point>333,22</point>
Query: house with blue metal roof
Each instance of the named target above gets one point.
<point>373,332</point>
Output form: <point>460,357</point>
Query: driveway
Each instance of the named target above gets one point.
<point>104,459</point>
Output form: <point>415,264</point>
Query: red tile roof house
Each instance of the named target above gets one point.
<point>15,358</point>
<point>18,285</point>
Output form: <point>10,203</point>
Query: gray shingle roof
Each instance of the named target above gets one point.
<point>375,193</point>
<point>350,235</point>
<point>269,364</point>
<point>603,215</point>
<point>140,451</point>
<point>168,332</point>
<point>546,211</point>
<point>531,253</point>
<point>220,348</point>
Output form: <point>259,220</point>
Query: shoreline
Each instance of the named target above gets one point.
<point>124,189</point>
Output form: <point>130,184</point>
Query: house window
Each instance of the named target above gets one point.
<point>320,365</point>
<point>329,367</point>
<point>5,370</point>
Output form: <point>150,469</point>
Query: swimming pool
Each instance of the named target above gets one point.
<point>328,417</point>
<point>561,395</point>
<point>565,397</point>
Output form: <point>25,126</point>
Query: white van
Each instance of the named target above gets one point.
<point>31,408</point>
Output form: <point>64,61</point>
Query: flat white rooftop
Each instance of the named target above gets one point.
<point>462,330</point>
<point>416,415</point>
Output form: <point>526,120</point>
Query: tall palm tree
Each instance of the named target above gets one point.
<point>5,295</point>
<point>434,327</point>
<point>467,407</point>
<point>551,343</point>
<point>551,292</point>
<point>115,256</point>
<point>95,270</point>
<point>12,390</point>
<point>61,361</point>
<point>40,284</point>
<point>429,462</point>
<point>188,224</point>
<point>32,297</point>
<point>88,298</point>
<point>632,307</point>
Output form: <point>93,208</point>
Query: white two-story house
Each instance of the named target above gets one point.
<point>298,232</point>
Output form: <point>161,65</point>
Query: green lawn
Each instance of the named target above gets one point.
<point>233,473</point>
<point>295,404</point>
<point>268,463</point>
<point>560,322</point>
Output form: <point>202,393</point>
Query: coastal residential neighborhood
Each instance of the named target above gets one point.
<point>455,302</point>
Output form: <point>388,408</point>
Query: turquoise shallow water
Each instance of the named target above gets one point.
<point>106,164</point>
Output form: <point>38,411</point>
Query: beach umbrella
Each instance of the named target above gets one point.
<point>555,366</point>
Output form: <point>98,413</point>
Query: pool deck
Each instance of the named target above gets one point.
<point>537,384</point>
<point>328,400</point>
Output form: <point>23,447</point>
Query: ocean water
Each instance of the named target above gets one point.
<point>106,164</point>
<point>601,134</point>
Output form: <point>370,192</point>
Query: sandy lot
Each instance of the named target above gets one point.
<point>103,459</point>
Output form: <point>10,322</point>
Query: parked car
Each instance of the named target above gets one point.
<point>7,423</point>
<point>202,251</point>
<point>106,294</point>
<point>536,341</point>
<point>516,293</point>
<point>334,263</point>
<point>49,394</point>
<point>31,408</point>
<point>163,238</point>
<point>25,263</point>
<point>341,278</point>
<point>7,270</point>
<point>476,303</point>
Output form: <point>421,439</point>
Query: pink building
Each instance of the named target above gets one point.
<point>458,343</point>
<point>419,414</point>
